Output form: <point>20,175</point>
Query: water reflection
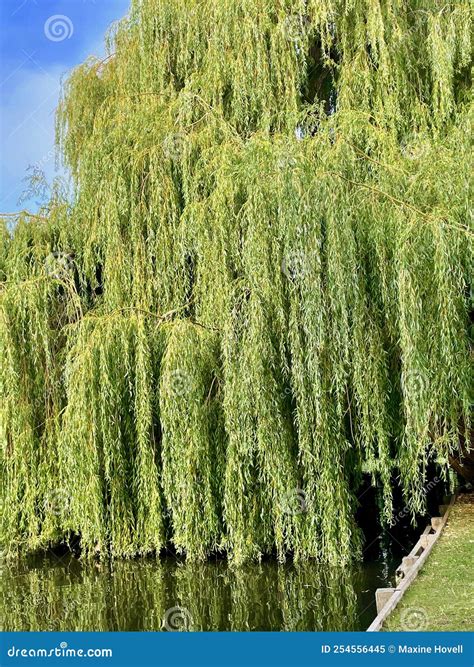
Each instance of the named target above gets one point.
<point>55,594</point>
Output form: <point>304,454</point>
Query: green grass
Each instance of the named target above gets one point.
<point>441,598</point>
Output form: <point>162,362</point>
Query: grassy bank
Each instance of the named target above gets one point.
<point>441,596</point>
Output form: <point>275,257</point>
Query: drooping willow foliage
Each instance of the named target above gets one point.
<point>260,290</point>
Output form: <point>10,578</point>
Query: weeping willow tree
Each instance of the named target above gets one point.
<point>260,290</point>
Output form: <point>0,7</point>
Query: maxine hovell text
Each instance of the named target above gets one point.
<point>399,649</point>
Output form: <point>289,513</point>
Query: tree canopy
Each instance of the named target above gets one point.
<point>260,289</point>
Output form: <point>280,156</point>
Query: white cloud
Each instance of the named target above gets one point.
<point>27,128</point>
<point>30,91</point>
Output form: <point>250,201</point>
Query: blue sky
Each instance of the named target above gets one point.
<point>41,41</point>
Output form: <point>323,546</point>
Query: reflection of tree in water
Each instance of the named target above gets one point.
<point>304,597</point>
<point>68,595</point>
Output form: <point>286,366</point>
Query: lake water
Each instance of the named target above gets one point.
<point>62,593</point>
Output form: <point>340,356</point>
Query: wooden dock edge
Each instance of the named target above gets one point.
<point>387,598</point>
